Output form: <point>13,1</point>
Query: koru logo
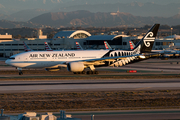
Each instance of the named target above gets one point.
<point>148,38</point>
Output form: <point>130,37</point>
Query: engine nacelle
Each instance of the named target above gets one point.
<point>75,67</point>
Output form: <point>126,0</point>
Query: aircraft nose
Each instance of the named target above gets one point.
<point>8,62</point>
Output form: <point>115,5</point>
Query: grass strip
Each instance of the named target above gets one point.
<point>100,100</point>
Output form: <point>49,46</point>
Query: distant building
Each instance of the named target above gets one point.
<point>40,35</point>
<point>5,38</point>
<point>66,40</point>
<point>113,13</point>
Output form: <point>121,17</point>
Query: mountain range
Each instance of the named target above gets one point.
<point>88,19</point>
<point>24,10</point>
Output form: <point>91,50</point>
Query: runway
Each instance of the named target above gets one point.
<point>87,85</point>
<point>130,115</point>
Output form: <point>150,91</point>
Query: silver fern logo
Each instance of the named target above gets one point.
<point>148,38</point>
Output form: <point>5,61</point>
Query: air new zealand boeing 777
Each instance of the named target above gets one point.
<point>78,60</point>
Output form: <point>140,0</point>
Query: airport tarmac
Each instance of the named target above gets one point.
<point>144,68</point>
<point>87,85</point>
<point>173,114</point>
<point>151,66</point>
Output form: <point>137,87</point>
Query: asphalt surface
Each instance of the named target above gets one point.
<point>152,66</point>
<point>87,85</point>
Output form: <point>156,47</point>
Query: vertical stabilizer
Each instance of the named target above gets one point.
<point>48,48</point>
<point>146,43</point>
<point>26,47</point>
<point>107,46</point>
<point>78,46</point>
<point>131,45</point>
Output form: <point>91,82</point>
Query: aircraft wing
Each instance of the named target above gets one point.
<point>107,59</point>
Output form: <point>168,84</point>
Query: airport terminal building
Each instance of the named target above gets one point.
<point>65,40</point>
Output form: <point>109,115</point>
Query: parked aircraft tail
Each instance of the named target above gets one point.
<point>78,46</point>
<point>48,48</point>
<point>107,46</point>
<point>26,47</point>
<point>131,45</point>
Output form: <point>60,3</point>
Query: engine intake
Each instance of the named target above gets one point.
<point>75,67</point>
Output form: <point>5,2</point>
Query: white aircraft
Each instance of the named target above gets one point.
<point>76,61</point>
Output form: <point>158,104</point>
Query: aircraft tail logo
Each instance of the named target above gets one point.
<point>148,38</point>
<point>147,41</point>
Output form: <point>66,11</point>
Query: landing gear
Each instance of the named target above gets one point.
<point>92,72</point>
<point>20,72</point>
<point>88,72</point>
<point>83,72</point>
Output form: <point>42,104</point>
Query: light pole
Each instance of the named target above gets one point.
<point>171,34</point>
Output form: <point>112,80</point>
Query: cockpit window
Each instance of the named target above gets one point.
<point>13,58</point>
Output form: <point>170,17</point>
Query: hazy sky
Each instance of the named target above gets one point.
<point>8,7</point>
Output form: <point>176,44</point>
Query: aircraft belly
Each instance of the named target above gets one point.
<point>22,65</point>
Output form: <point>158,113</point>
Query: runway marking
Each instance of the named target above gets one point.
<point>34,90</point>
<point>143,88</point>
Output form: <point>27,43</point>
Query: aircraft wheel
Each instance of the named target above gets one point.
<point>89,72</point>
<point>20,73</point>
<point>96,72</point>
<point>83,72</point>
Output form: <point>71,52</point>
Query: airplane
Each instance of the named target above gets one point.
<point>26,47</point>
<point>107,46</point>
<point>78,46</point>
<point>48,48</point>
<point>77,61</point>
<point>163,53</point>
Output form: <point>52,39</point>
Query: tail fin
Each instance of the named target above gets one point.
<point>78,46</point>
<point>48,48</point>
<point>146,43</point>
<point>107,46</point>
<point>131,45</point>
<point>26,47</point>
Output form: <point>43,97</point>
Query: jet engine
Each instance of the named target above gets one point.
<point>75,67</point>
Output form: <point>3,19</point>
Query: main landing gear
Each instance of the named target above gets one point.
<point>92,72</point>
<point>88,72</point>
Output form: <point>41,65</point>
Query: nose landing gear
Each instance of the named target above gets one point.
<point>20,71</point>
